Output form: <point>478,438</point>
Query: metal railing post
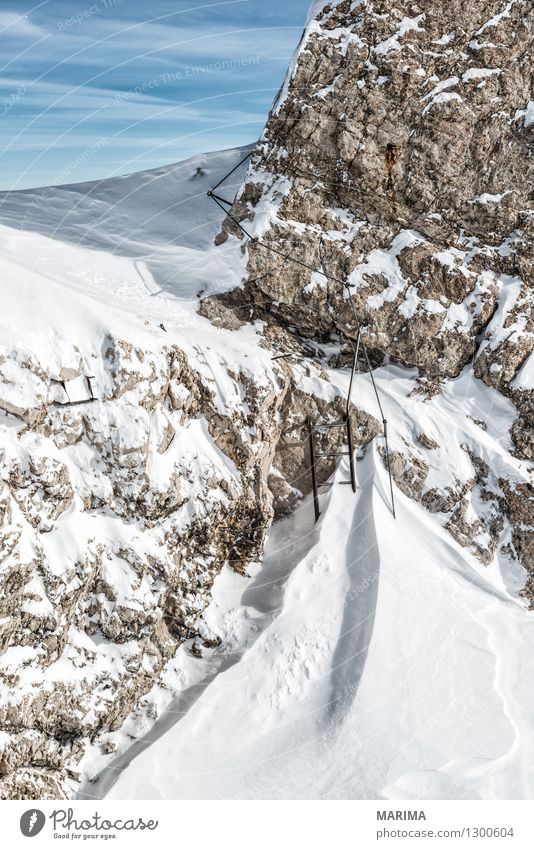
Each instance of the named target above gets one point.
<point>315,488</point>
<point>385,426</point>
<point>351,454</point>
<point>223,203</point>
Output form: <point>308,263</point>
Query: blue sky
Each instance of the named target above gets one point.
<point>94,89</point>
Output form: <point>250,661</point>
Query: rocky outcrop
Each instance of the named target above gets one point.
<point>391,191</point>
<point>398,159</point>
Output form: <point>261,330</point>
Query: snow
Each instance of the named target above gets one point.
<point>506,248</point>
<point>126,258</point>
<point>317,281</point>
<point>479,73</point>
<point>500,328</point>
<point>143,227</point>
<point>316,7</point>
<point>368,657</point>
<point>445,39</point>
<point>383,663</point>
<point>441,86</point>
<point>329,89</point>
<point>474,44</point>
<point>269,203</point>
<point>496,19</point>
<point>524,378</point>
<point>489,198</point>
<point>384,263</point>
<point>392,43</point>
<point>443,97</point>
<point>352,226</point>
<point>412,302</point>
<point>449,259</point>
<point>527,114</point>
<point>343,35</point>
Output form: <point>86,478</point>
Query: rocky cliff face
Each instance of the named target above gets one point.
<point>398,160</point>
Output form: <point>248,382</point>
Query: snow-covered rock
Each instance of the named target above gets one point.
<point>417,138</point>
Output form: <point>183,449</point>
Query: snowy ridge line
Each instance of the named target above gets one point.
<point>151,241</point>
<point>355,348</point>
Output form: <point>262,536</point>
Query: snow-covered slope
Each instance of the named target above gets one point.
<point>378,661</point>
<point>128,238</point>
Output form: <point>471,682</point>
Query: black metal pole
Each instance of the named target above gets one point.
<point>217,199</point>
<point>313,474</point>
<point>351,454</point>
<point>89,378</point>
<point>353,372</point>
<point>385,424</point>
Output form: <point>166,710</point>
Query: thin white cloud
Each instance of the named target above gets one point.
<point>108,42</point>
<point>13,24</point>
